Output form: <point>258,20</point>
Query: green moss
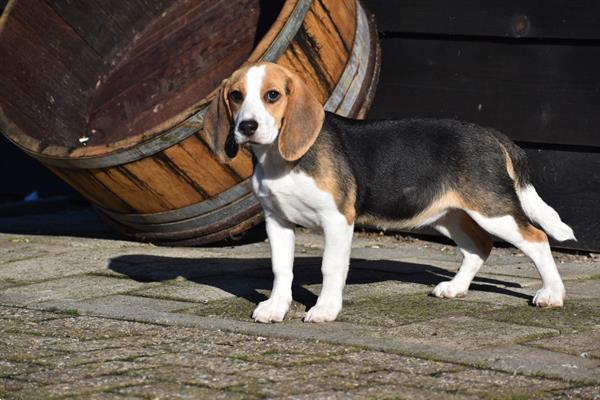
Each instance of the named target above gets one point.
<point>239,308</point>
<point>406,309</point>
<point>576,315</point>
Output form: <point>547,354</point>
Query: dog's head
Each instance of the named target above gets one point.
<point>263,104</point>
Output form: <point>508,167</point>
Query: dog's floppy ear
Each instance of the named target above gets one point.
<point>302,121</point>
<point>218,129</point>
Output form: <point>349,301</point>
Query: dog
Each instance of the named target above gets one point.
<point>320,170</point>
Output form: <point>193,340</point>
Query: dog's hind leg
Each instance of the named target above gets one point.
<point>534,243</point>
<point>474,243</point>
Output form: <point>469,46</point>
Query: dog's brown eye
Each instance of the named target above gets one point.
<point>272,96</point>
<point>236,96</point>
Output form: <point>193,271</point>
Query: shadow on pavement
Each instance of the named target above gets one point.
<point>243,277</point>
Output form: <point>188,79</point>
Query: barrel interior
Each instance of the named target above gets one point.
<point>97,74</point>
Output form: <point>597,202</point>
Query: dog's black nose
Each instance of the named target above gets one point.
<point>248,127</point>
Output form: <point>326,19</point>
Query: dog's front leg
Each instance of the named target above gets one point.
<point>281,239</point>
<point>336,259</point>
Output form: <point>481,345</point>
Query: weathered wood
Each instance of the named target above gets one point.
<point>179,60</point>
<point>569,180</point>
<point>43,94</point>
<point>533,92</point>
<point>497,18</point>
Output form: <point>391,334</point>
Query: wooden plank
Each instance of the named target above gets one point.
<point>41,89</point>
<point>577,19</point>
<point>109,25</point>
<point>92,24</point>
<point>242,164</point>
<point>200,164</point>
<point>176,63</point>
<point>152,185</point>
<point>569,180</point>
<point>93,189</point>
<point>534,93</point>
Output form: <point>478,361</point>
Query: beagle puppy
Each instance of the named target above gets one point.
<point>319,170</point>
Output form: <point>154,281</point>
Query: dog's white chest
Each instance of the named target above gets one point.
<point>294,197</point>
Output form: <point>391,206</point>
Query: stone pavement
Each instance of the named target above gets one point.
<point>83,317</point>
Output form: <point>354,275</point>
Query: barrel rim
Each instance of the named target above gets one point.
<point>182,125</point>
<point>130,224</point>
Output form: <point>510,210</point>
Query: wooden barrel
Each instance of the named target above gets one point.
<point>111,97</point>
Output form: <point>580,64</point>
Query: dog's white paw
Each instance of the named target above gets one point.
<point>323,313</point>
<point>271,310</point>
<point>449,290</point>
<point>550,297</point>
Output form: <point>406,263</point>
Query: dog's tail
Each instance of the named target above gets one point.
<point>534,207</point>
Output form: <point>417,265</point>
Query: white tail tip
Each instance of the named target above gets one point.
<point>544,215</point>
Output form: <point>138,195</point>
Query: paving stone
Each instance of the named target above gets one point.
<point>101,304</point>
<point>71,360</point>
<point>583,289</point>
<point>14,254</point>
<point>584,344</point>
<point>71,374</point>
<point>9,369</point>
<point>62,264</point>
<point>402,260</point>
<point>394,362</point>
<point>474,382</point>
<point>519,359</point>
<point>6,285</point>
<point>178,391</point>
<point>161,264</point>
<point>214,364</point>
<point>23,315</point>
<point>196,375</point>
<point>88,387</point>
<point>299,385</point>
<point>578,393</point>
<point>28,348</point>
<point>575,315</point>
<point>498,296</point>
<point>386,392</point>
<point>567,270</point>
<point>80,328</point>
<point>206,290</point>
<point>467,332</point>
<point>71,288</point>
<point>398,310</point>
<point>284,352</point>
<point>239,308</point>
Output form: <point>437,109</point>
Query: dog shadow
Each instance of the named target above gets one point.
<point>247,277</point>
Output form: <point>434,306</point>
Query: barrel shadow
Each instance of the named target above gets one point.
<point>244,277</point>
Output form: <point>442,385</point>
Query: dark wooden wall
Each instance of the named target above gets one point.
<point>529,68</point>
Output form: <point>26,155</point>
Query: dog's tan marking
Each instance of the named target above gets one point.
<point>327,179</point>
<point>533,234</point>
<point>345,204</point>
<point>276,79</point>
<point>448,200</point>
<point>301,121</point>
<point>480,237</point>
<point>509,166</point>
